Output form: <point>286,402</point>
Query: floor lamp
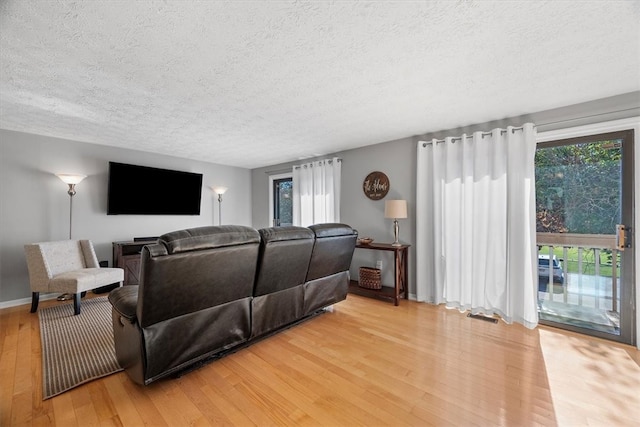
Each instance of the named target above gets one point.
<point>71,180</point>
<point>220,191</point>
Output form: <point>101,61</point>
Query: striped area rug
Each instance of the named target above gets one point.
<point>76,349</point>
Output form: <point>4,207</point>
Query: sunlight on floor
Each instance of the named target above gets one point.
<point>592,382</point>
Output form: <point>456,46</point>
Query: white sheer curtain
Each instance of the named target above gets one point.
<point>475,223</point>
<point>316,192</point>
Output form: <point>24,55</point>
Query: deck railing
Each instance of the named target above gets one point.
<point>579,268</point>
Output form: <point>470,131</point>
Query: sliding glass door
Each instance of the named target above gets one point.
<point>282,202</point>
<point>584,208</point>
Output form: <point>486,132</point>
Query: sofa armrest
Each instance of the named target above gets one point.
<point>125,300</point>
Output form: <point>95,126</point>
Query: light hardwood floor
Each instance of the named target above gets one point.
<point>366,363</point>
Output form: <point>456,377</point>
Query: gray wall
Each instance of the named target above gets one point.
<point>397,159</point>
<point>34,205</point>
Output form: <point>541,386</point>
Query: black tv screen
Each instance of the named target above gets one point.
<point>142,190</point>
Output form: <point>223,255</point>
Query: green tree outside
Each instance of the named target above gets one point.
<point>578,188</point>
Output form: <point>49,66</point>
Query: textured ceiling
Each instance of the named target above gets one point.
<point>252,84</point>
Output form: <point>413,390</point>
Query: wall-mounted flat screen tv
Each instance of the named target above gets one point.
<point>142,190</point>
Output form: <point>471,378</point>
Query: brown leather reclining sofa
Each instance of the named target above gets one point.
<point>206,291</point>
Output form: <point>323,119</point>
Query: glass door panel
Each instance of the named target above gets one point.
<point>282,202</point>
<point>583,192</point>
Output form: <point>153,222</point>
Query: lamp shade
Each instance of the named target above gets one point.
<point>396,209</point>
<point>219,190</point>
<point>70,178</point>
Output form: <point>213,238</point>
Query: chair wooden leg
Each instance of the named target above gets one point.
<point>76,303</point>
<point>35,298</point>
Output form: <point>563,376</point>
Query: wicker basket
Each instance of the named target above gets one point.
<point>370,278</point>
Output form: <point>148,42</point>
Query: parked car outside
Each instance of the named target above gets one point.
<point>543,273</point>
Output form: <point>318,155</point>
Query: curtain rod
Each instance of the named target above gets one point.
<point>279,171</point>
<point>553,123</point>
<point>311,164</point>
<point>459,138</point>
<point>273,172</point>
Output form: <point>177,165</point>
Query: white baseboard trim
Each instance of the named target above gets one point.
<point>27,301</point>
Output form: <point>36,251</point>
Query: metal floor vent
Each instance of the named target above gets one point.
<point>482,317</point>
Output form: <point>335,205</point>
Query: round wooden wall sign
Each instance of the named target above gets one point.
<point>376,185</point>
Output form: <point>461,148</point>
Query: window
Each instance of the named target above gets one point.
<point>280,200</point>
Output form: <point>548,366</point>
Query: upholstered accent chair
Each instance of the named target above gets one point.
<point>67,266</point>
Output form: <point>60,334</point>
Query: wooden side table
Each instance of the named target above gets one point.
<point>401,287</point>
<point>126,255</point>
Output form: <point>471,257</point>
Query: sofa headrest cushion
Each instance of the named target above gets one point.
<point>332,230</point>
<point>277,234</point>
<point>200,238</point>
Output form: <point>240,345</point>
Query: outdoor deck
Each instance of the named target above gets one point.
<point>587,298</point>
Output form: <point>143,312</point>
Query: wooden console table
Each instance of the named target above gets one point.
<point>126,255</point>
<point>401,287</point>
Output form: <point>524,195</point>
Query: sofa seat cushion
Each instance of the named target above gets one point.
<point>85,279</point>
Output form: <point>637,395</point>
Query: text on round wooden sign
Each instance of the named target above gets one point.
<point>376,185</point>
